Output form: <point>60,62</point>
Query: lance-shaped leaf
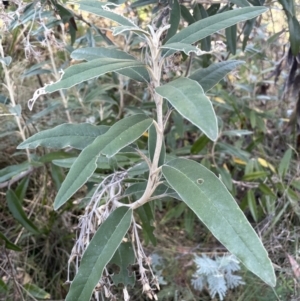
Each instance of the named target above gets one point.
<point>186,15</point>
<point>102,9</point>
<point>81,170</point>
<point>174,19</point>
<point>200,13</point>
<point>231,38</point>
<point>294,29</point>
<point>8,244</point>
<point>188,98</point>
<point>16,209</point>
<point>65,135</point>
<point>98,253</point>
<point>205,27</point>
<point>247,31</point>
<point>117,137</point>
<point>79,73</point>
<point>13,170</point>
<point>125,132</point>
<point>210,76</point>
<point>146,216</point>
<point>91,53</point>
<point>208,197</point>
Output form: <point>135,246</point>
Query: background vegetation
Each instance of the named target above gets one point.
<point>256,154</point>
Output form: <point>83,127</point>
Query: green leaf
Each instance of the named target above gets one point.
<point>57,175</point>
<point>213,9</point>
<point>174,19</point>
<point>12,170</point>
<point>56,155</point>
<point>188,98</point>
<point>294,31</point>
<point>255,175</point>
<point>247,31</point>
<point>252,205</point>
<point>98,253</point>
<point>124,257</point>
<point>102,162</point>
<point>201,13</point>
<point>146,216</point>
<point>81,170</point>
<point>266,190</point>
<point>203,28</point>
<point>210,76</point>
<point>36,291</point>
<point>15,207</point>
<point>36,69</point>
<point>8,244</point>
<point>186,15</point>
<point>199,144</point>
<point>231,38</point>
<point>207,196</point>
<point>65,135</point>
<point>288,6</point>
<point>234,151</point>
<point>102,9</point>
<point>162,190</point>
<point>22,188</point>
<point>117,137</point>
<point>125,132</point>
<point>174,212</point>
<point>67,17</point>
<point>285,163</point>
<point>82,72</point>
<point>189,220</point>
<point>241,3</point>
<point>225,177</point>
<point>91,53</point>
<point>138,169</point>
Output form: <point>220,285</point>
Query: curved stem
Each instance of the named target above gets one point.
<point>154,175</point>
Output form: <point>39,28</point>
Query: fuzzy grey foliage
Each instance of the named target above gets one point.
<point>216,275</point>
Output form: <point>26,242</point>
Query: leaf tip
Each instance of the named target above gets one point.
<point>57,203</point>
